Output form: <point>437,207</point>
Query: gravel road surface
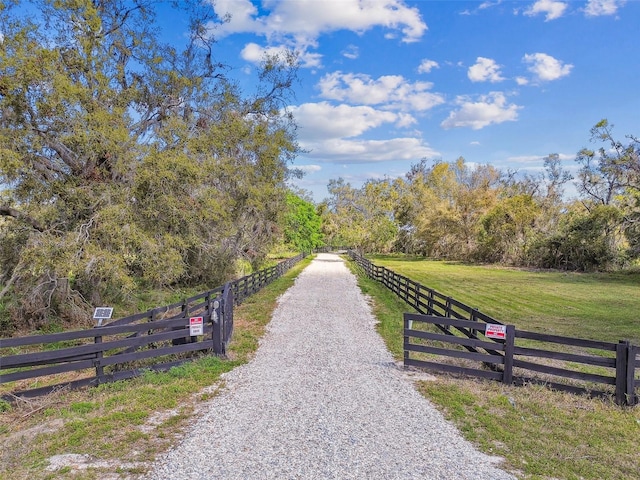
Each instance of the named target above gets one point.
<point>322,399</point>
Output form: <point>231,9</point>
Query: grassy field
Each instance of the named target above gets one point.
<point>117,429</point>
<point>598,306</point>
<point>541,434</point>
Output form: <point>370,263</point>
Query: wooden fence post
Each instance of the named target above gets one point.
<point>216,330</point>
<point>224,330</point>
<point>509,348</point>
<point>98,360</point>
<point>634,350</point>
<point>447,312</point>
<point>407,326</point>
<point>622,367</point>
<point>631,374</point>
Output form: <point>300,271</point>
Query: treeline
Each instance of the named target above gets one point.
<point>127,163</point>
<point>481,214</point>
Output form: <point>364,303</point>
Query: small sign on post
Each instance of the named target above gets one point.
<point>102,313</point>
<point>494,330</point>
<point>196,326</point>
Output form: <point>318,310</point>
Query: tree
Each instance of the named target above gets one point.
<point>302,224</point>
<point>443,204</point>
<point>610,176</point>
<point>126,160</point>
<point>508,229</point>
<point>583,242</point>
<point>361,218</point>
<point>607,172</point>
<point>528,210</point>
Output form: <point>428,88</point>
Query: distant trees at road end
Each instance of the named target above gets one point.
<point>451,210</point>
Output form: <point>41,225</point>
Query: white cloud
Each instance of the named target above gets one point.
<point>321,121</point>
<point>309,168</point>
<point>482,6</point>
<point>427,65</point>
<point>238,13</point>
<point>522,81</point>
<point>489,109</point>
<point>545,67</point>
<point>596,8</point>
<point>351,52</point>
<point>306,20</point>
<point>552,8</point>
<point>254,53</point>
<point>485,70</point>
<point>328,132</point>
<point>485,5</point>
<point>392,91</point>
<point>372,151</point>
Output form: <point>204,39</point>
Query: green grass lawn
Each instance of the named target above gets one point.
<point>597,306</point>
<point>540,434</point>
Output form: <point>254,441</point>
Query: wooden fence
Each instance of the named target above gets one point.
<point>154,340</point>
<point>476,344</point>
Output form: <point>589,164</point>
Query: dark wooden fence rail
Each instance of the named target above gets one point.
<point>157,339</point>
<point>460,334</point>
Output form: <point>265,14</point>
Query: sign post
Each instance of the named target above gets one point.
<point>102,313</point>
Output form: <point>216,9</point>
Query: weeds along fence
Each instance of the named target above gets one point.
<point>447,335</point>
<point>157,339</point>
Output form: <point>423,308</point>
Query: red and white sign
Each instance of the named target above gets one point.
<point>196,326</point>
<point>494,330</point>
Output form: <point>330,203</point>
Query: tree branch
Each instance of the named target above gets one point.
<point>8,211</point>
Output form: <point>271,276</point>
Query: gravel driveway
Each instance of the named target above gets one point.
<point>323,399</point>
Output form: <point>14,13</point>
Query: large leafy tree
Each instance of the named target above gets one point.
<point>361,217</point>
<point>125,160</point>
<point>609,176</point>
<point>442,207</point>
<point>302,229</point>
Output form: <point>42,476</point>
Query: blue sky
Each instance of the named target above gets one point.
<point>385,83</point>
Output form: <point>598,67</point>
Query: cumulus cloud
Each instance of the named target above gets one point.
<point>546,68</point>
<point>305,20</point>
<point>487,110</point>
<point>485,70</point>
<point>344,151</point>
<point>551,8</point>
<point>393,91</point>
<point>320,121</point>
<point>427,65</point>
<point>329,134</point>
<point>254,53</point>
<point>597,8</point>
<point>309,168</point>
